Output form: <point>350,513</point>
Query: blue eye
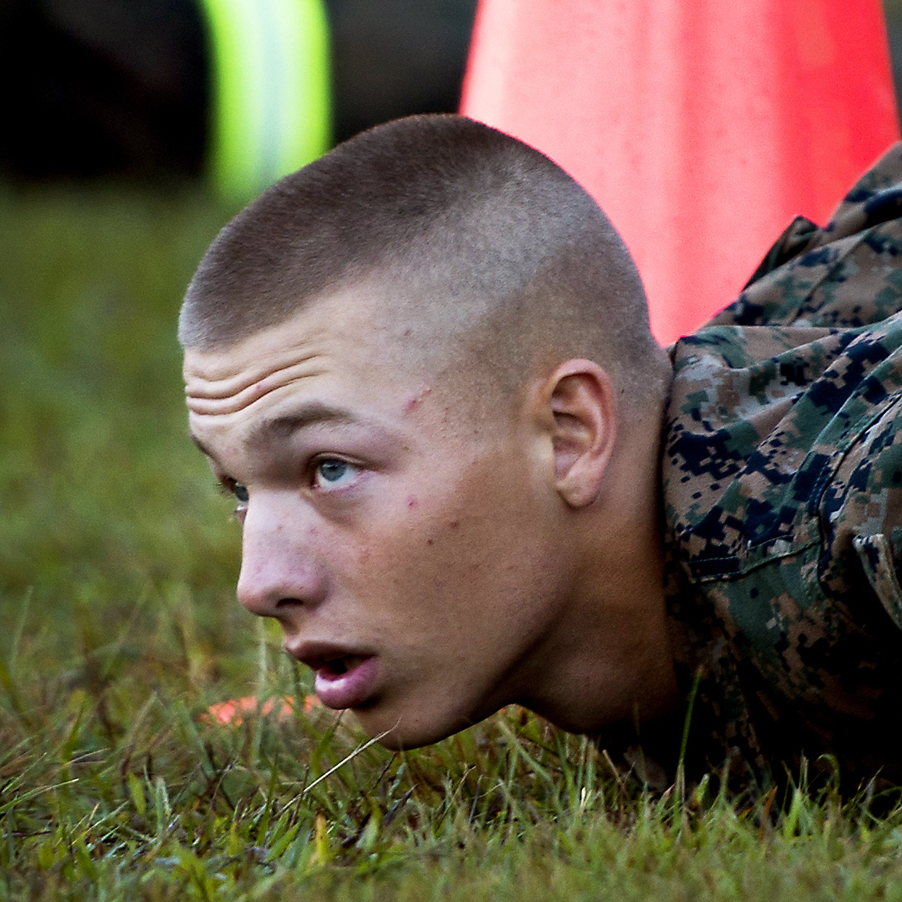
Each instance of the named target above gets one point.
<point>331,472</point>
<point>239,492</point>
<point>233,489</point>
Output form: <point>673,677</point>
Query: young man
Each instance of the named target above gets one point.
<point>468,476</point>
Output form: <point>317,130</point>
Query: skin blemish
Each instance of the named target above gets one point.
<point>414,399</point>
<point>412,502</point>
<point>454,523</point>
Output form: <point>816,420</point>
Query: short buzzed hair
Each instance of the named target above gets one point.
<point>494,233</point>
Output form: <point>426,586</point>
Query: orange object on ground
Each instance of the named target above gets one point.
<point>233,710</point>
<point>702,128</point>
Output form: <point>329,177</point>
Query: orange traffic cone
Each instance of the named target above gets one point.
<point>701,127</point>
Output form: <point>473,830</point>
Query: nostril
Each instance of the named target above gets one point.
<point>284,603</point>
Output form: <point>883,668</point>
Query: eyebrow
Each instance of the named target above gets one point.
<point>201,446</point>
<point>283,427</point>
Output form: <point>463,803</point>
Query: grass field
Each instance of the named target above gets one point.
<point>117,564</point>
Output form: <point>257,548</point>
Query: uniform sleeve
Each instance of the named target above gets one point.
<point>845,275</point>
<point>861,516</point>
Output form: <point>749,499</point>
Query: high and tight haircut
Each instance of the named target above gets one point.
<point>491,230</point>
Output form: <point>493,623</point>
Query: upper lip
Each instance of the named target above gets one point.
<point>318,654</point>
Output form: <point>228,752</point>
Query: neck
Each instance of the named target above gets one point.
<point>614,662</point>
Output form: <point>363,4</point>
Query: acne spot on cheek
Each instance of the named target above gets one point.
<point>414,399</point>
<point>412,502</point>
<point>454,523</point>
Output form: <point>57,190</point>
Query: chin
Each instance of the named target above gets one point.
<point>396,735</point>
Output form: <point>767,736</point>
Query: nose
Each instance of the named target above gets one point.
<point>281,569</point>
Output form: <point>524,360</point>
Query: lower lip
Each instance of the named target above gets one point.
<point>346,690</point>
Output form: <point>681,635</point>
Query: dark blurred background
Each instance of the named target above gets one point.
<point>122,87</point>
<point>101,87</point>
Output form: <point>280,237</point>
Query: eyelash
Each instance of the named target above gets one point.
<point>229,487</point>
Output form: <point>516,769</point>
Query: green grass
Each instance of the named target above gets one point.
<point>117,564</point>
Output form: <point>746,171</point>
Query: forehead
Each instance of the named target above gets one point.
<point>339,363</point>
<point>342,333</point>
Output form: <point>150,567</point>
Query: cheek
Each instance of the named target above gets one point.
<point>452,531</point>
<point>421,550</point>
<point>456,550</point>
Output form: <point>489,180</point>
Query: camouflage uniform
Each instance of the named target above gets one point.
<point>782,488</point>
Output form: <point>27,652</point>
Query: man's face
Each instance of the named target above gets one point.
<point>402,535</point>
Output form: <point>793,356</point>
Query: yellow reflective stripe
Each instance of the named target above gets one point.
<point>305,136</point>
<point>271,109</point>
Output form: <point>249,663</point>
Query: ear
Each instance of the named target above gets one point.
<point>580,413</point>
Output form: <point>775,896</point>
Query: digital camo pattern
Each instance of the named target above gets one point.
<point>782,487</point>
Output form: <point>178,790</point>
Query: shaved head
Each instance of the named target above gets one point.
<point>422,366</point>
<point>480,247</point>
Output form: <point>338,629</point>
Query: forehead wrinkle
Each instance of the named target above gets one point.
<point>226,401</point>
<point>222,381</point>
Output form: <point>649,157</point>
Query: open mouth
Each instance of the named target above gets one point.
<point>347,681</point>
<point>340,666</point>
<point>342,678</point>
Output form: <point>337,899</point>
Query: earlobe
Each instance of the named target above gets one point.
<point>580,398</point>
